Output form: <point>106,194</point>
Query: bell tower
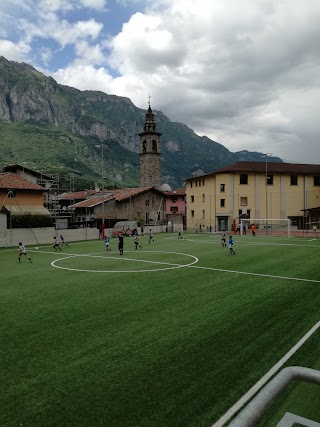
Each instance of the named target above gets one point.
<point>150,152</point>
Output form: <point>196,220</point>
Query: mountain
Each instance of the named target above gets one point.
<point>58,129</point>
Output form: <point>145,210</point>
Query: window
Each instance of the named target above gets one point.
<point>269,179</point>
<point>192,214</point>
<point>203,182</point>
<point>203,198</point>
<point>316,180</point>
<point>200,182</point>
<point>293,180</point>
<point>190,184</point>
<point>144,146</point>
<point>192,199</point>
<point>173,209</point>
<point>147,202</point>
<point>244,214</point>
<point>158,216</point>
<point>243,201</point>
<point>222,203</point>
<point>154,146</point>
<point>243,178</point>
<point>222,188</point>
<point>203,214</point>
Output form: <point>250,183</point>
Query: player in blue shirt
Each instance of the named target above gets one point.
<point>230,244</point>
<point>107,243</point>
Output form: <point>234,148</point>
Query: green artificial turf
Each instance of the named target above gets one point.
<point>138,340</point>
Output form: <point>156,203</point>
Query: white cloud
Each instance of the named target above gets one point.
<point>61,31</point>
<point>69,5</point>
<point>14,52</point>
<point>231,70</point>
<point>94,4</point>
<point>84,77</point>
<point>46,55</point>
<point>243,73</point>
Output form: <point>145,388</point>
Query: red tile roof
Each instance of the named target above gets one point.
<point>78,195</point>
<point>118,194</point>
<point>126,193</point>
<point>272,167</point>
<point>94,201</point>
<point>14,168</point>
<point>16,182</point>
<point>177,192</point>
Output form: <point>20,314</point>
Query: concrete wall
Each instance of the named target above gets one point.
<point>43,235</point>
<point>9,238</point>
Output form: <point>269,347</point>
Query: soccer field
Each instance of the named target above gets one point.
<point>173,334</point>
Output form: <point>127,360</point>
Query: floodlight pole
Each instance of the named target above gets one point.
<point>10,221</point>
<point>102,186</point>
<point>266,156</point>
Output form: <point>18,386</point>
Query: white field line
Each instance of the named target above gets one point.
<point>170,266</point>
<point>256,274</point>
<point>173,265</point>
<point>256,243</point>
<point>253,390</point>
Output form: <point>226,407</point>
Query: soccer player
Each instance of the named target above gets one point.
<point>151,236</point>
<point>56,244</point>
<point>179,235</point>
<point>121,241</point>
<point>230,244</point>
<point>62,241</point>
<point>253,229</point>
<point>107,243</point>
<point>223,239</point>
<point>136,242</point>
<point>23,251</point>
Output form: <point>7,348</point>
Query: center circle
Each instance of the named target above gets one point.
<point>170,265</point>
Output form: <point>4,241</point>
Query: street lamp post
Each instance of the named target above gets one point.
<point>102,186</point>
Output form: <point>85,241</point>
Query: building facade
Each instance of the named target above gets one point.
<point>20,196</point>
<point>145,204</point>
<point>176,207</point>
<point>252,190</point>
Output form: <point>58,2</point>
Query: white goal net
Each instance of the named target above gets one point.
<point>266,227</point>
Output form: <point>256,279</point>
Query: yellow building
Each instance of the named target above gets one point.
<point>20,196</point>
<point>252,190</point>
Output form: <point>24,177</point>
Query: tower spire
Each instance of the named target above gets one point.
<point>150,151</point>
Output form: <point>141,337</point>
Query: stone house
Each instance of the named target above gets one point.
<point>145,204</point>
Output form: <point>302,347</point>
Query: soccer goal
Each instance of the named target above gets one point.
<point>267,227</point>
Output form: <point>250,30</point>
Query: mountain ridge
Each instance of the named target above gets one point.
<point>63,126</point>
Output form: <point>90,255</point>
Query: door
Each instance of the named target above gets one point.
<point>223,223</point>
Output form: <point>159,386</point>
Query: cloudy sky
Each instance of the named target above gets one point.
<point>246,73</point>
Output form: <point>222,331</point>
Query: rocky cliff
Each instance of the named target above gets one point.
<point>51,127</point>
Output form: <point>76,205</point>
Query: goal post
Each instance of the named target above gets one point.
<point>267,226</point>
